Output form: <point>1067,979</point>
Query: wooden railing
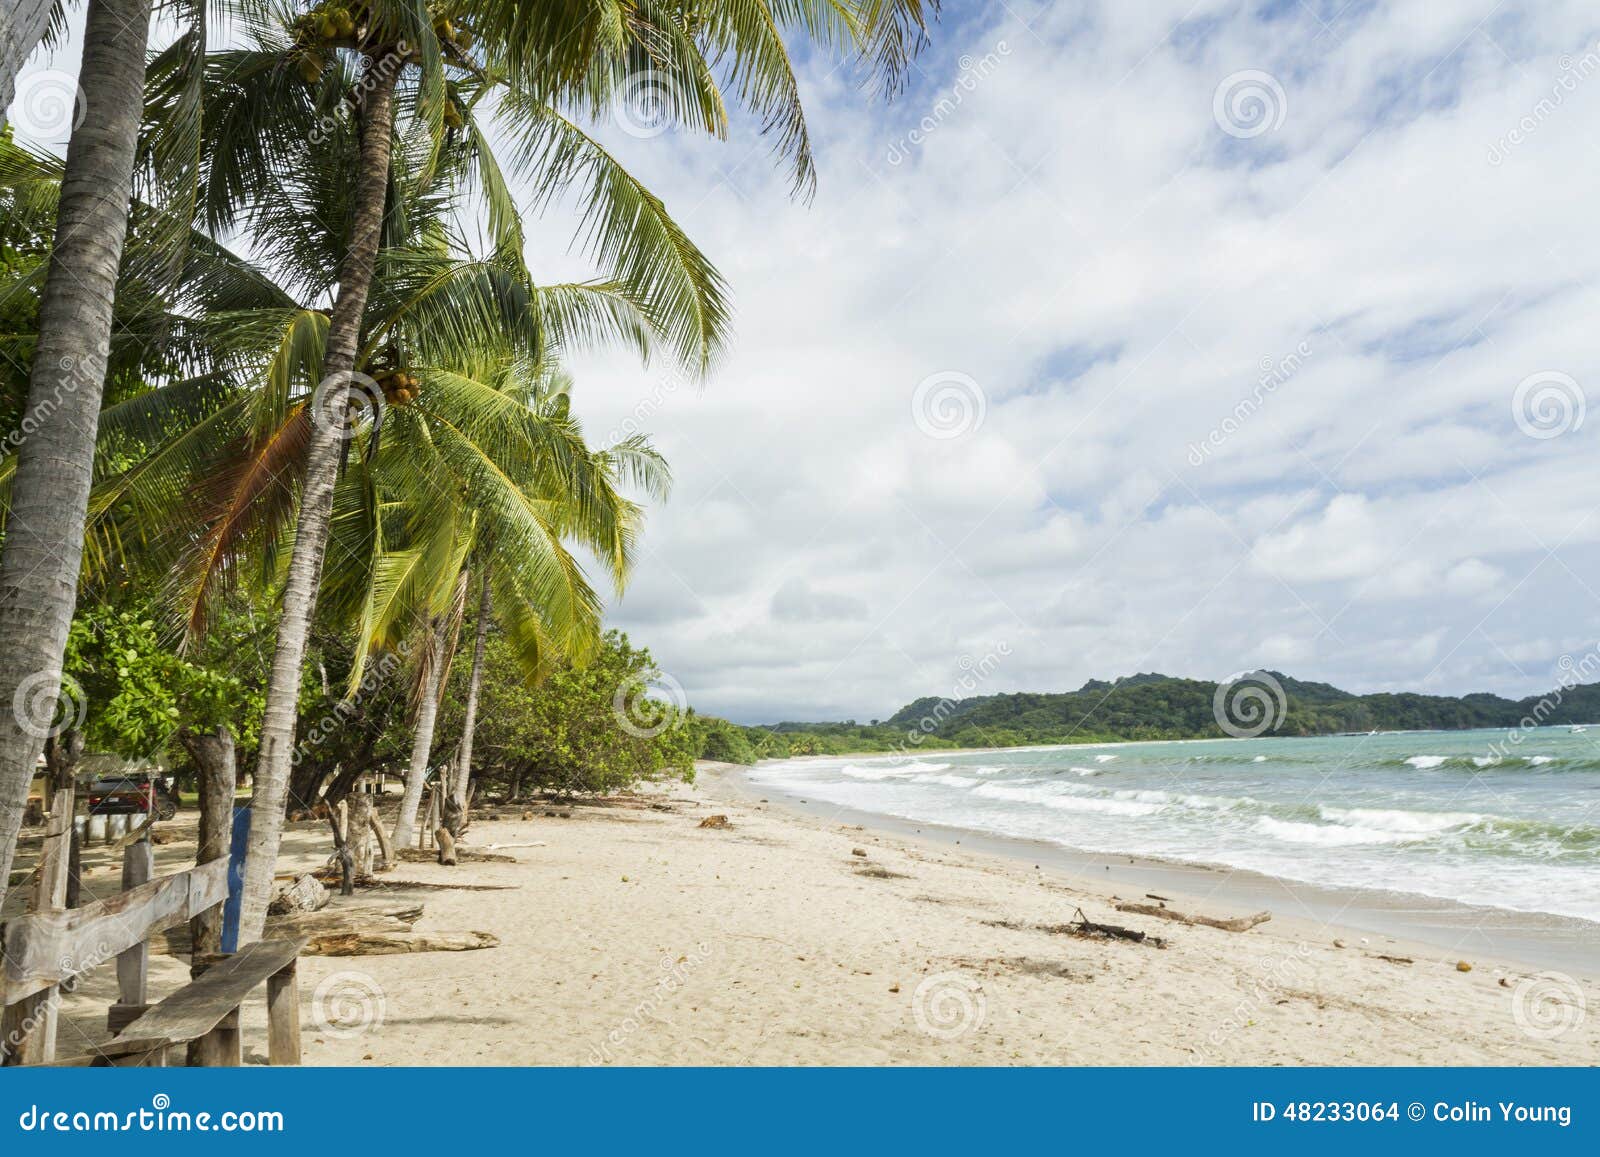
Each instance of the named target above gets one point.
<point>53,946</point>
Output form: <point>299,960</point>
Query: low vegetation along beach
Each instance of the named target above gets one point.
<point>644,929</point>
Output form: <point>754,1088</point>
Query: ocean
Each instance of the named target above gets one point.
<point>1467,816</point>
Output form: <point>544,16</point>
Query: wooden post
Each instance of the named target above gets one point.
<point>223,1046</point>
<point>133,964</point>
<point>283,1016</point>
<point>31,1022</point>
<point>205,930</point>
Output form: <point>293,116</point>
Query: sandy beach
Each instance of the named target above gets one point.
<point>635,936</point>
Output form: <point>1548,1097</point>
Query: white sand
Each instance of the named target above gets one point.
<point>635,937</point>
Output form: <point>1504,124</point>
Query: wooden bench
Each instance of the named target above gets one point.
<point>52,946</point>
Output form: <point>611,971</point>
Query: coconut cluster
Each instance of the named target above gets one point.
<point>315,33</point>
<point>399,387</point>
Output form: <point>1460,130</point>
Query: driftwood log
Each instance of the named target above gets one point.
<point>1227,924</point>
<point>447,846</point>
<point>391,943</point>
<point>385,848</point>
<point>463,855</point>
<point>306,894</point>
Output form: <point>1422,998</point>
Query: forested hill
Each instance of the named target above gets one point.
<point>1154,706</point>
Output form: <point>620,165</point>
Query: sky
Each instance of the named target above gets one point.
<point>1190,338</point>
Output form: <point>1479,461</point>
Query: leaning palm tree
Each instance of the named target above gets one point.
<point>44,532</point>
<point>532,67</point>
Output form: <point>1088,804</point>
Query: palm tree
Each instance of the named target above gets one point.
<point>44,530</point>
<point>24,29</point>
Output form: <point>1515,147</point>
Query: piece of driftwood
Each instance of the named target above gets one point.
<point>435,886</point>
<point>306,894</point>
<point>447,846</point>
<point>393,943</point>
<point>1227,924</point>
<point>463,855</point>
<point>1087,927</point>
<point>466,852</point>
<point>385,848</point>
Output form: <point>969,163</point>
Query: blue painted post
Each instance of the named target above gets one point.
<point>234,904</point>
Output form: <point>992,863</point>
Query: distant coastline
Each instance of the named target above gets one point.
<point>1156,707</point>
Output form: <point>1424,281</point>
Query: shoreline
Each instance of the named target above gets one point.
<point>1437,927</point>
<point>627,931</point>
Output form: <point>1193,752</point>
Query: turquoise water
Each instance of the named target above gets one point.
<point>1462,815</point>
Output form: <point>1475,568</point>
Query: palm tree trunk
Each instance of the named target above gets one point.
<point>55,465</point>
<point>19,36</point>
<point>316,500</point>
<point>470,721</point>
<point>421,742</point>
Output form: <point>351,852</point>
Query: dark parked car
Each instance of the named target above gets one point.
<point>132,793</point>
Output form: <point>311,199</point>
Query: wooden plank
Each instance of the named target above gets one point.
<point>283,1016</point>
<point>133,964</point>
<point>196,1009</point>
<point>42,948</point>
<point>28,1027</point>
